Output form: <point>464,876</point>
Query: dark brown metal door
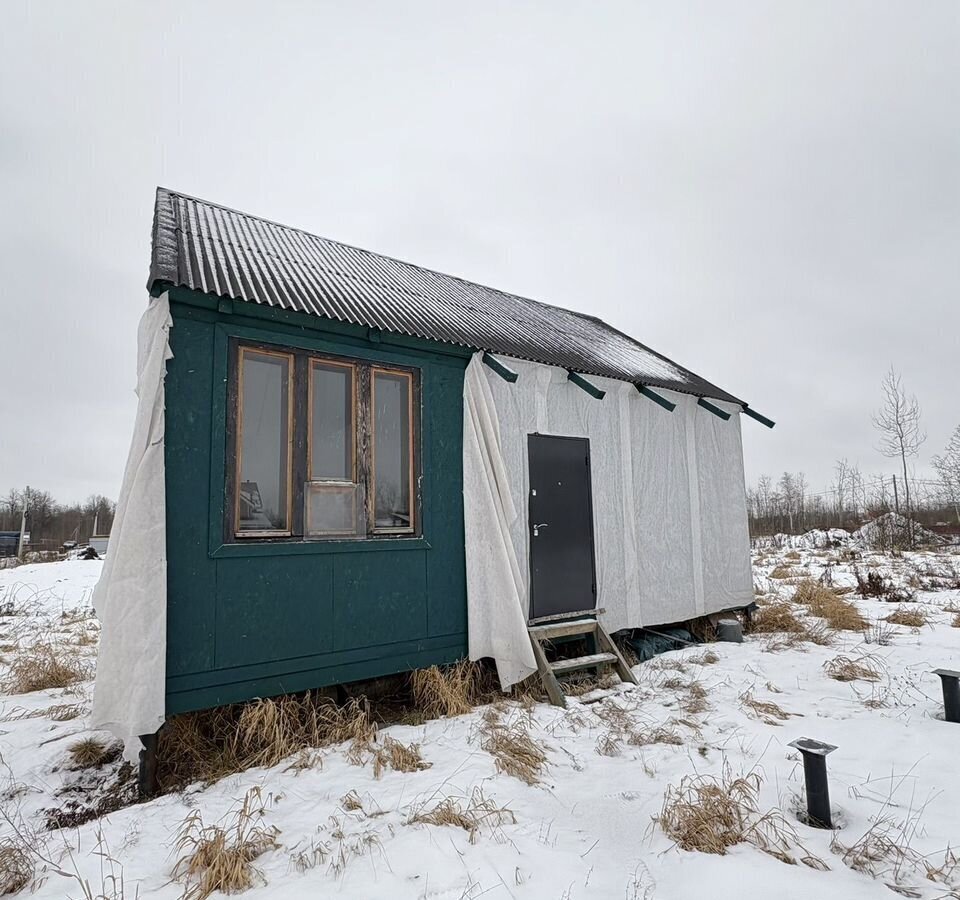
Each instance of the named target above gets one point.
<point>562,570</point>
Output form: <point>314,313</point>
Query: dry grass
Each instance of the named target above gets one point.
<point>399,757</point>
<point>65,712</point>
<point>827,604</point>
<point>512,748</point>
<point>609,744</point>
<point>452,690</point>
<point>476,813</point>
<point>775,618</point>
<point>913,617</point>
<point>211,744</point>
<point>843,668</point>
<point>220,857</point>
<point>956,620</point>
<point>89,753</point>
<point>16,867</point>
<point>44,665</point>
<point>707,658</point>
<point>781,572</point>
<point>657,734</point>
<point>695,701</point>
<point>766,711</point>
<point>884,851</point>
<point>711,815</point>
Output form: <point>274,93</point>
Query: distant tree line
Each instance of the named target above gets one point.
<point>789,506</point>
<point>51,523</point>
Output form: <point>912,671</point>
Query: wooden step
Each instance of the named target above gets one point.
<point>608,653</point>
<point>582,662</point>
<point>563,629</point>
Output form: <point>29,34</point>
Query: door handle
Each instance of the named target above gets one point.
<point>536,528</point>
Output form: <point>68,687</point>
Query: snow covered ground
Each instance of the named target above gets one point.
<point>588,828</point>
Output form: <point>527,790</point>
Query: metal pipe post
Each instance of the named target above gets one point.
<point>950,682</point>
<point>814,755</point>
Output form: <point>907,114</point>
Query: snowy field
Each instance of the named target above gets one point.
<point>589,825</point>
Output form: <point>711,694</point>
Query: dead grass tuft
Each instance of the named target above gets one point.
<point>766,711</point>
<point>773,618</point>
<point>695,701</point>
<point>220,857</point>
<point>843,668</point>
<point>91,752</point>
<point>658,734</point>
<point>44,665</point>
<point>712,814</point>
<point>65,712</point>
<point>351,802</point>
<point>476,813</point>
<point>913,617</point>
<point>609,744</point>
<point>451,690</point>
<point>827,604</point>
<point>399,757</point>
<point>956,620</point>
<point>781,572</point>
<point>16,867</point>
<point>512,748</point>
<point>213,743</point>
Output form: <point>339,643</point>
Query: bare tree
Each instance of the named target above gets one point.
<point>948,468</point>
<point>898,422</point>
<point>841,488</point>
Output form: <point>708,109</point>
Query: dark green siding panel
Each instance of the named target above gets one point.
<point>273,608</point>
<point>381,598</point>
<point>191,578</point>
<point>257,620</point>
<point>207,695</point>
<point>446,603</point>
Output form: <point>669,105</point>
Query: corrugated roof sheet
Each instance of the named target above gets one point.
<point>216,250</point>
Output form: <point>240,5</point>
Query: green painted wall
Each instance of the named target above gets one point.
<point>254,620</point>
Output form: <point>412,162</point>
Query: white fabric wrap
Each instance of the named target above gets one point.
<point>669,504</point>
<point>130,598</point>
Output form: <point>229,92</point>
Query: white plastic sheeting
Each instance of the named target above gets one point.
<point>131,597</point>
<point>669,504</point>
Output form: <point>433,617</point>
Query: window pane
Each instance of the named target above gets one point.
<point>331,419</point>
<point>391,450</point>
<point>264,442</point>
<point>332,509</point>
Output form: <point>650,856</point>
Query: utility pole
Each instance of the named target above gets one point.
<point>23,530</point>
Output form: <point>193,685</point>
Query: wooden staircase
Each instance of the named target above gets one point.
<point>607,654</point>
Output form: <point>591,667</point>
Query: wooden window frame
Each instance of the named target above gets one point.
<point>299,447</point>
<point>411,443</point>
<point>238,442</point>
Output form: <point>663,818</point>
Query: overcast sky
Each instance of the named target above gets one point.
<point>768,193</point>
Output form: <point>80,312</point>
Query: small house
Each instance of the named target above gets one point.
<point>346,466</point>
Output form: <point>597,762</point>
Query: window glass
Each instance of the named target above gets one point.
<point>391,450</point>
<point>264,423</point>
<point>332,509</point>
<point>331,422</point>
